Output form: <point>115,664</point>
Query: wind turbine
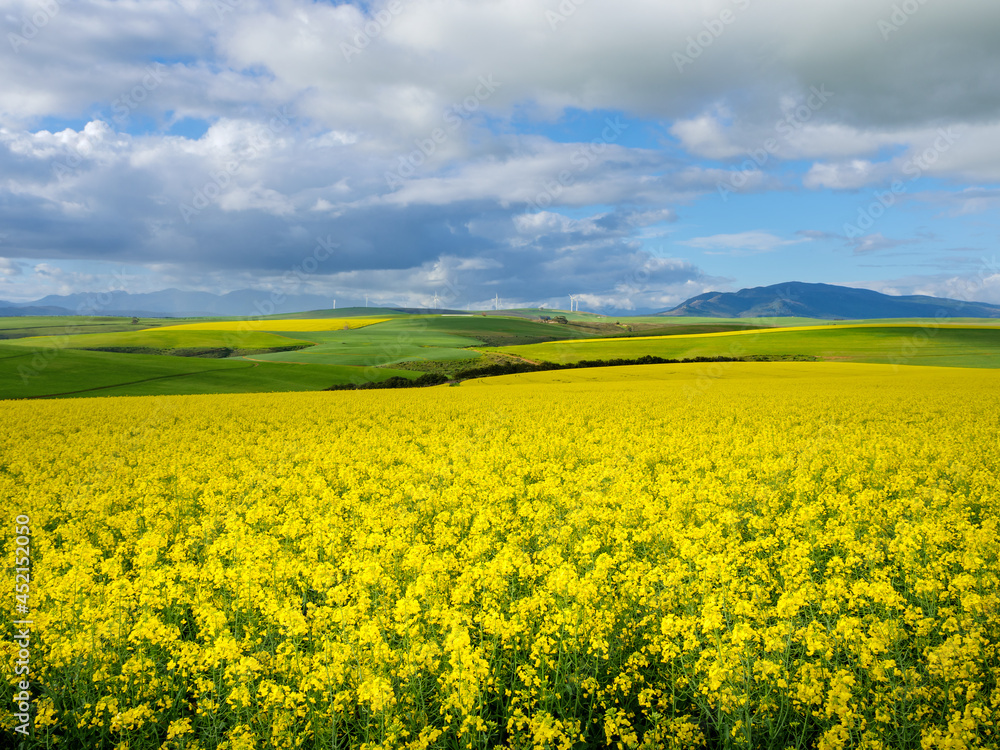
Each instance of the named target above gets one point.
<point>572,301</point>
<point>496,302</point>
<point>436,302</point>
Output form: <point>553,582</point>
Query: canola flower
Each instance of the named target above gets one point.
<point>795,559</point>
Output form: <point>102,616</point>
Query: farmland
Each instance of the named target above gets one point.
<point>916,343</point>
<point>420,339</point>
<point>25,373</point>
<point>286,354</point>
<point>168,341</point>
<point>104,357</point>
<point>782,555</point>
<point>300,324</point>
<point>21,327</point>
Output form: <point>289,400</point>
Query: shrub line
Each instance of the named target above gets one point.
<point>516,368</point>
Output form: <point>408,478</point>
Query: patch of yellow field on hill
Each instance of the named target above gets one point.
<point>305,325</point>
<point>773,331</point>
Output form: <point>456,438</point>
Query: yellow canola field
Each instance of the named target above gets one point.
<point>802,562</point>
<point>694,378</point>
<point>303,326</point>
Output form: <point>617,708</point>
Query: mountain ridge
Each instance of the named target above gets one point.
<point>824,301</point>
<point>788,299</point>
<point>170,303</point>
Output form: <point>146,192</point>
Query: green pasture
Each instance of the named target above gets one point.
<point>682,329</point>
<point>154,341</point>
<point>377,345</point>
<point>366,354</point>
<point>667,320</point>
<point>70,361</point>
<point>71,372</point>
<point>890,344</point>
<point>534,312</point>
<point>484,330</point>
<point>344,312</point>
<point>260,377</point>
<point>49,325</point>
<point>419,338</point>
<point>53,371</point>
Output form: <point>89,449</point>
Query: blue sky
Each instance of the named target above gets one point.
<point>634,154</point>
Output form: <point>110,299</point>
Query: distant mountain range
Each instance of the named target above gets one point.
<point>169,303</point>
<point>792,299</point>
<point>826,301</point>
<point>7,310</point>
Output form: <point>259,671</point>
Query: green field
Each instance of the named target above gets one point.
<point>70,372</point>
<point>661,320</point>
<point>344,312</point>
<point>682,329</point>
<point>261,377</point>
<point>130,363</point>
<point>45,366</point>
<point>44,325</point>
<point>367,354</point>
<point>419,338</point>
<point>530,312</point>
<point>378,345</point>
<point>901,344</point>
<point>181,343</point>
<point>114,361</point>
<point>510,330</point>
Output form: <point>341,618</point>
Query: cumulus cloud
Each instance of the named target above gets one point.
<point>981,284</point>
<point>10,268</point>
<point>850,175</point>
<point>741,243</point>
<point>872,243</point>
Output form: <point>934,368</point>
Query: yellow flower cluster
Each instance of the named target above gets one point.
<point>804,561</point>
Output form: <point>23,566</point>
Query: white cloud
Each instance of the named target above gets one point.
<point>10,268</point>
<point>981,285</point>
<point>740,243</point>
<point>850,175</point>
<point>874,242</point>
<point>707,136</point>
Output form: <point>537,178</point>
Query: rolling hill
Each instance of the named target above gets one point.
<point>931,343</point>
